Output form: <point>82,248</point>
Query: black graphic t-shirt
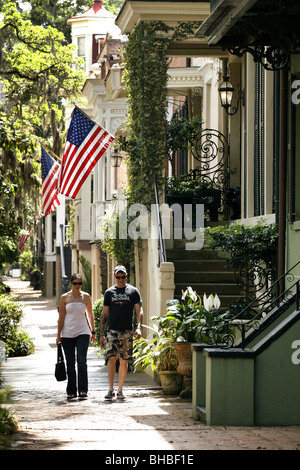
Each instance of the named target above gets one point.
<point>121,302</point>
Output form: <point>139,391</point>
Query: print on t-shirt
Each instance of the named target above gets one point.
<point>120,299</point>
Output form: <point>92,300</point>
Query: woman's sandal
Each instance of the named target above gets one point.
<point>71,397</point>
<point>83,395</point>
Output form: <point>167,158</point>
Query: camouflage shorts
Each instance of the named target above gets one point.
<point>119,343</point>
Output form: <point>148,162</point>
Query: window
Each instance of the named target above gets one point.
<point>181,157</point>
<point>81,47</point>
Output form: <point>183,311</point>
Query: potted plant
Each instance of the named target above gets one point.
<point>159,353</point>
<point>187,318</point>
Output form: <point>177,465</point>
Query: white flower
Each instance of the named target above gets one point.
<point>208,302</point>
<point>192,294</point>
<point>217,302</point>
<point>189,292</point>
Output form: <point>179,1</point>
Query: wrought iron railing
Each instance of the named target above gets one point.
<point>210,150</point>
<point>222,331</point>
<point>253,277</point>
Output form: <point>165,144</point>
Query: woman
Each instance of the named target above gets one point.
<point>75,325</point>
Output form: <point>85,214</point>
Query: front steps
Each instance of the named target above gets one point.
<point>205,271</point>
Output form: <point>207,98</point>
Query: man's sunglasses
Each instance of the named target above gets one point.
<point>77,283</point>
<point>120,277</point>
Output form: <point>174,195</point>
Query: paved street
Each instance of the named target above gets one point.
<point>147,420</point>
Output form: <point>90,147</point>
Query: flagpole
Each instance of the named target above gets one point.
<point>48,150</point>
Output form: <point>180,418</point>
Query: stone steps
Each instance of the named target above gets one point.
<point>205,271</point>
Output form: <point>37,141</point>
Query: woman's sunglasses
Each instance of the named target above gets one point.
<point>120,277</point>
<point>77,283</point>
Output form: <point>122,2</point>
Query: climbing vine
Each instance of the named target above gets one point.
<point>145,78</point>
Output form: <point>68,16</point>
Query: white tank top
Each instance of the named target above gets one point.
<point>75,323</point>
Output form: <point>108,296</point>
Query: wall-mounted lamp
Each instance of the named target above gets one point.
<point>115,158</point>
<point>226,91</point>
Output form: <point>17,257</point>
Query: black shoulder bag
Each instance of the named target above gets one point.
<point>60,368</point>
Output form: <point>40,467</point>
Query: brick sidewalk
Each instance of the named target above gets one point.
<point>147,420</point>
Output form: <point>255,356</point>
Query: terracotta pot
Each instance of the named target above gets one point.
<point>184,355</point>
<point>171,382</point>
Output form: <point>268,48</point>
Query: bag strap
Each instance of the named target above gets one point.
<point>60,356</point>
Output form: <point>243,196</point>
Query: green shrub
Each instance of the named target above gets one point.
<point>4,289</point>
<point>21,344</point>
<point>97,311</point>
<point>87,271</point>
<point>8,423</point>
<point>11,314</point>
<point>246,244</point>
<point>26,262</point>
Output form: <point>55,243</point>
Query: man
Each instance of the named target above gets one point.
<point>120,301</point>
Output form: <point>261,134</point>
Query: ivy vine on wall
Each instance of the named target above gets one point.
<point>145,78</point>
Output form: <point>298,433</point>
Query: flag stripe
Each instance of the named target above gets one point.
<point>50,198</point>
<point>51,204</point>
<point>50,172</point>
<point>50,184</point>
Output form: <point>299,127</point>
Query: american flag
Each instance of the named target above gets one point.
<point>50,171</point>
<point>86,143</point>
<point>22,239</point>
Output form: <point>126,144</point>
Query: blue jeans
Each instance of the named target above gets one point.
<point>70,345</point>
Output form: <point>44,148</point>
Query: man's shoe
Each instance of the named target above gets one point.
<point>120,396</point>
<point>109,395</point>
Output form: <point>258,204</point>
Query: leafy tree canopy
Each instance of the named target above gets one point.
<point>38,71</point>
